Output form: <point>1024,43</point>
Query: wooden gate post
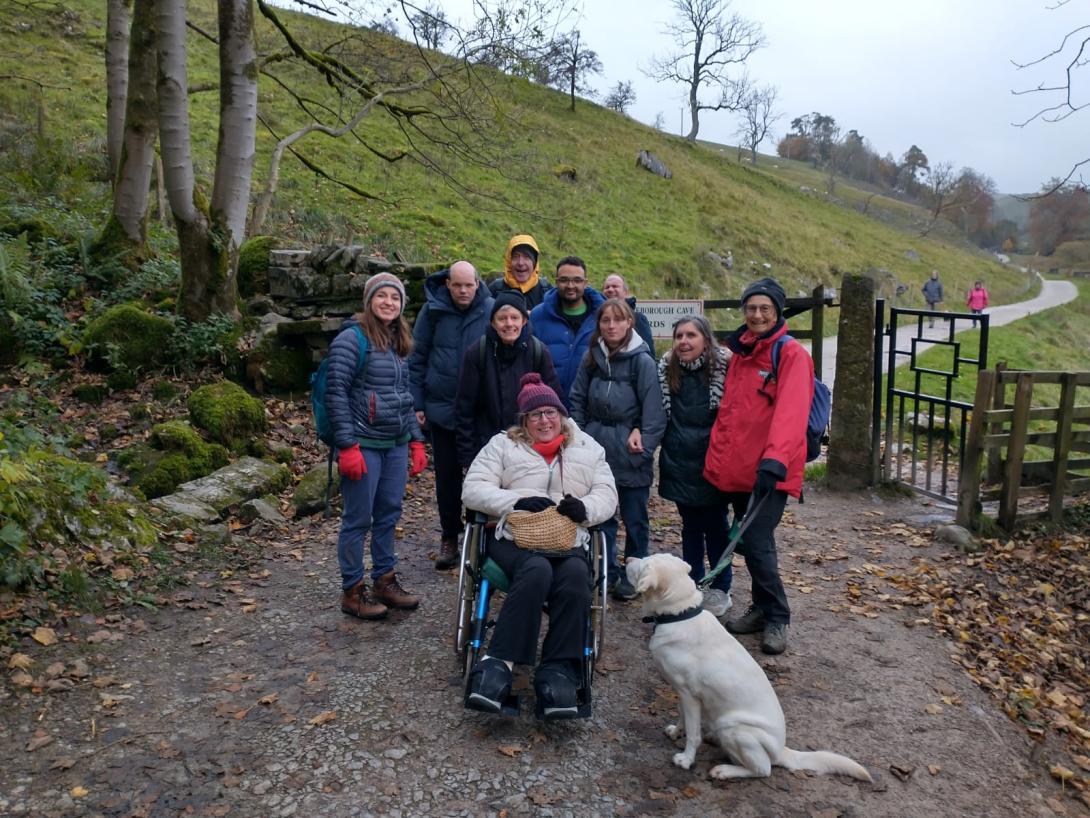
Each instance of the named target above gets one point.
<point>1063,446</point>
<point>817,327</point>
<point>1016,452</point>
<point>969,471</point>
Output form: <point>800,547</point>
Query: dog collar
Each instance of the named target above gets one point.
<point>666,619</point>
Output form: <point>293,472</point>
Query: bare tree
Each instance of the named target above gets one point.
<point>430,27</point>
<point>209,231</point>
<point>1071,53</point>
<point>758,116</point>
<point>126,230</point>
<point>573,62</point>
<point>941,184</point>
<point>660,122</point>
<point>622,95</point>
<point>117,78</point>
<point>711,42</point>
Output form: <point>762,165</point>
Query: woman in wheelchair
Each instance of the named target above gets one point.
<point>543,462</point>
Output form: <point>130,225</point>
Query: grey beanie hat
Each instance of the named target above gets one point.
<point>377,282</point>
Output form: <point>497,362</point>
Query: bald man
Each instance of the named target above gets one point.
<point>453,317</point>
<point>615,287</point>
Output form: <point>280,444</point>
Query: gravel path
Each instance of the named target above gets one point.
<point>252,695</point>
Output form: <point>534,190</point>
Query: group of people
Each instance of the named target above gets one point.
<point>976,299</point>
<point>538,395</point>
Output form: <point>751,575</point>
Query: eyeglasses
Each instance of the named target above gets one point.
<point>543,414</point>
<point>563,281</point>
<point>763,309</point>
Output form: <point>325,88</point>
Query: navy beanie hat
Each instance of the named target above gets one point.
<point>769,287</point>
<point>509,298</point>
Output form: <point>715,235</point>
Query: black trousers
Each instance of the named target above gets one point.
<point>563,582</point>
<point>758,546</point>
<point>448,481</point>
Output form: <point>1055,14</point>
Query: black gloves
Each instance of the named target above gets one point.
<point>765,484</point>
<point>572,508</point>
<point>534,504</point>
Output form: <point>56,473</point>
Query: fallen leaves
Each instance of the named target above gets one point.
<point>325,717</point>
<point>40,739</point>
<point>511,750</point>
<point>44,636</point>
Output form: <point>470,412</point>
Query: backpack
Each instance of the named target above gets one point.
<point>318,386</point>
<point>535,344</point>
<point>820,406</point>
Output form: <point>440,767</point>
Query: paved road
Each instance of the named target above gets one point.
<point>1053,294</point>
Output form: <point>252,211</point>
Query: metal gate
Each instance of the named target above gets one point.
<point>921,438</point>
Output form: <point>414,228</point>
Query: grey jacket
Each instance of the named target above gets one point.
<point>611,397</point>
<point>932,291</point>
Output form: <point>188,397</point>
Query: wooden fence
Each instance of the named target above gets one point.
<point>998,425</point>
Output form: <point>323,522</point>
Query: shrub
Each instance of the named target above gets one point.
<point>127,337</point>
<point>227,413</point>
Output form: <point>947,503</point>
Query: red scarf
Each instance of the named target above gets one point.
<point>549,450</point>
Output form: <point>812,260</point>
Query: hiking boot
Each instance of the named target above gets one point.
<point>622,589</point>
<point>389,592</point>
<point>717,602</point>
<point>448,554</point>
<point>557,691</point>
<point>358,602</point>
<point>489,685</point>
<point>774,638</point>
<point>749,622</point>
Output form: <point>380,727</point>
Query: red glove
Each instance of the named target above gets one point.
<point>351,463</point>
<point>418,458</point>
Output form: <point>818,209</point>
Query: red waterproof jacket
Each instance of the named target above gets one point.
<point>761,420</point>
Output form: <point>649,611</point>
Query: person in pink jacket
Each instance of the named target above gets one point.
<point>977,299</point>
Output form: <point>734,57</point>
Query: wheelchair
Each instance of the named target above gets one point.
<point>479,577</point>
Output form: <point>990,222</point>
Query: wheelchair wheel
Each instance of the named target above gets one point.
<point>468,581</point>
<point>598,601</point>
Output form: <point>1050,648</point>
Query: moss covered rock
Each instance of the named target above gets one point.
<point>227,413</point>
<point>279,365</point>
<point>174,454</point>
<point>127,337</point>
<point>253,265</point>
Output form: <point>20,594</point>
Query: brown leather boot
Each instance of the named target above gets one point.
<point>448,555</point>
<point>358,602</point>
<point>389,592</point>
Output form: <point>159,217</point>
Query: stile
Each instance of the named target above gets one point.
<point>999,401</point>
<point>1016,451</point>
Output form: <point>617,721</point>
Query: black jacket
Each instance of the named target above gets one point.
<point>487,399</point>
<point>681,459</point>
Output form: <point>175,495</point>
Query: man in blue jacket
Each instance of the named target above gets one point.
<point>565,319</point>
<point>454,316</point>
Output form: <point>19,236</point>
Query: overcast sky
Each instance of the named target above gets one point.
<point>936,73</point>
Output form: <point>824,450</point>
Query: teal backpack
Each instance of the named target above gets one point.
<point>318,386</point>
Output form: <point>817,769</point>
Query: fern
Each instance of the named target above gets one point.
<point>16,290</point>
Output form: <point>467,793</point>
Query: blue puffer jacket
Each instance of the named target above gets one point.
<point>441,336</point>
<point>375,408</point>
<point>566,347</point>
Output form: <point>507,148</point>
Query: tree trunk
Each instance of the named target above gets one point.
<point>238,122</point>
<point>573,86</point>
<point>127,228</point>
<point>753,154</point>
<point>117,78</point>
<point>694,113</point>
<point>208,236</point>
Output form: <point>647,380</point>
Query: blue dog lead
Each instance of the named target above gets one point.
<point>728,555</point>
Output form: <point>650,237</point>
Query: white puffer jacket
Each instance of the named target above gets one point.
<point>505,471</point>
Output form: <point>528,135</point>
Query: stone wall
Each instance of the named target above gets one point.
<point>310,295</point>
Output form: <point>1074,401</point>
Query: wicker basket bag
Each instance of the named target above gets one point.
<point>546,531</point>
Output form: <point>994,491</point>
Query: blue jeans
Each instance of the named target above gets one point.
<point>633,509</point>
<point>705,529</point>
<point>372,503</point>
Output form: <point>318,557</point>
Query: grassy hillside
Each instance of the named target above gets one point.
<point>618,217</point>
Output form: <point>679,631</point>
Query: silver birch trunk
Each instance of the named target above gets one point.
<point>238,120</point>
<point>117,78</point>
<point>129,221</point>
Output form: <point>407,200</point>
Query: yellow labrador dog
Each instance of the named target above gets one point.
<point>717,680</point>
